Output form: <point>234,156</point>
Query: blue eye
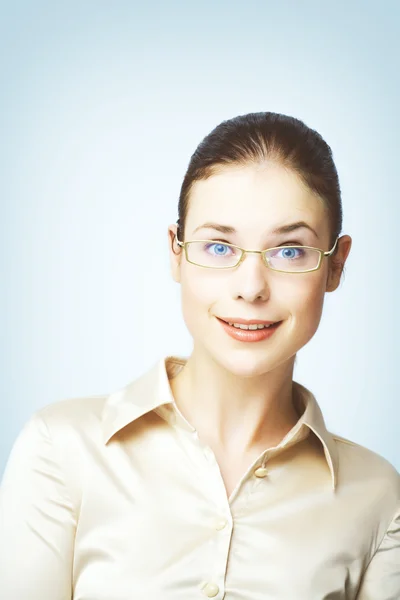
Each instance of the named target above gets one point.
<point>289,250</point>
<point>220,249</point>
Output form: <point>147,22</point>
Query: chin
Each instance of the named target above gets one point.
<point>247,363</point>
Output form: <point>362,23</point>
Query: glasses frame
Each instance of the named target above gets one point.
<point>322,254</point>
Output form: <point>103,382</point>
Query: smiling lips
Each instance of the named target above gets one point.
<point>255,334</point>
<point>244,322</point>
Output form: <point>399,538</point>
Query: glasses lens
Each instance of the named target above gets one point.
<point>292,258</point>
<point>216,255</point>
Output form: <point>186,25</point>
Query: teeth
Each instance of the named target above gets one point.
<point>239,326</point>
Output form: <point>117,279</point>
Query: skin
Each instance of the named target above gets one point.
<point>238,395</point>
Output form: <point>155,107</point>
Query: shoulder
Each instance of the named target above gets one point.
<point>72,424</point>
<point>62,426</point>
<point>364,456</point>
<point>76,413</point>
<point>53,442</point>
<point>68,416</point>
<point>372,472</point>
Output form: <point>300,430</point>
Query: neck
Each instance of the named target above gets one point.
<point>232,412</point>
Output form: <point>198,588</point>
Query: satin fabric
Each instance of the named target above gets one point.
<point>114,497</point>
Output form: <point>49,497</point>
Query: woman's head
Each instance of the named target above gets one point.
<point>256,173</point>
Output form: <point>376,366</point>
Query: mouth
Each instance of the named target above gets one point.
<point>250,333</point>
<point>252,325</point>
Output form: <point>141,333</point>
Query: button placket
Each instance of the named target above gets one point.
<point>220,548</point>
<point>256,477</point>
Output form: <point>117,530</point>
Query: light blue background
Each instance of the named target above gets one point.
<point>101,106</point>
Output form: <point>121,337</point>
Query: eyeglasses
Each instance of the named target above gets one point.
<point>286,259</point>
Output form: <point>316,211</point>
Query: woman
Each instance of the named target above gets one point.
<point>214,476</point>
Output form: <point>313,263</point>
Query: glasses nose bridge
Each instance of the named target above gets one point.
<point>261,252</point>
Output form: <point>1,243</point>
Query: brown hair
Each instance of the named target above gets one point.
<point>256,137</point>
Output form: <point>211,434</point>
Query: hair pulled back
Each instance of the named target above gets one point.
<point>256,137</point>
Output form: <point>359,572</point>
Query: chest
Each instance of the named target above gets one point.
<point>160,525</point>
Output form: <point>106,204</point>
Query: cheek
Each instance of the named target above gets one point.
<point>306,304</point>
<point>198,293</point>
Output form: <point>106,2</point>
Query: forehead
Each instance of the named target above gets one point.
<point>253,195</point>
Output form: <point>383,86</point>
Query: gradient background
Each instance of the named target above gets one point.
<point>102,105</point>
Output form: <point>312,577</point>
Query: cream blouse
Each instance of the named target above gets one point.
<point>114,497</point>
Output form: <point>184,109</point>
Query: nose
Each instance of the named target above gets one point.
<point>250,281</point>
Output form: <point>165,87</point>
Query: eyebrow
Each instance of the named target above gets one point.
<point>278,230</point>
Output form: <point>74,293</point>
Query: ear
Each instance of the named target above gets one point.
<point>337,262</point>
<point>175,253</point>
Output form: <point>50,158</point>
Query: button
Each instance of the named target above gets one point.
<point>211,590</point>
<point>261,472</point>
<point>221,524</point>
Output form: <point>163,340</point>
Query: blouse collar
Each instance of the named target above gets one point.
<point>151,391</point>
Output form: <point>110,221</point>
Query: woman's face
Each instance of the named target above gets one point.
<point>253,200</point>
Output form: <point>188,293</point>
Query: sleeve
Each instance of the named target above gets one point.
<point>37,521</point>
<point>381,580</point>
